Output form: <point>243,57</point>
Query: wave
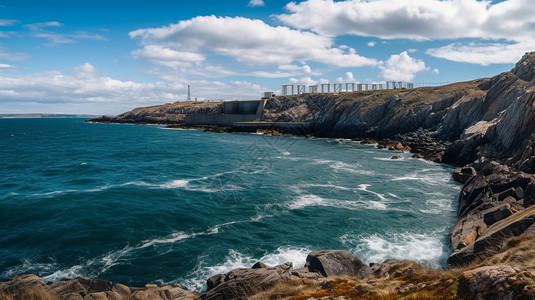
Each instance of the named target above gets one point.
<point>327,185</point>
<point>235,260</point>
<point>96,266</point>
<point>364,188</point>
<point>428,249</point>
<point>428,176</point>
<point>308,200</point>
<point>350,168</point>
<point>27,266</point>
<point>172,184</point>
<point>438,206</point>
<point>401,158</point>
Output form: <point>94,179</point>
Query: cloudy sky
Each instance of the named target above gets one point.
<point>107,57</point>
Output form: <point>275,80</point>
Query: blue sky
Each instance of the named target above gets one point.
<point>107,57</point>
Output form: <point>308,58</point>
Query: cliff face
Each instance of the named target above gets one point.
<point>171,113</point>
<point>484,119</point>
<point>486,125</point>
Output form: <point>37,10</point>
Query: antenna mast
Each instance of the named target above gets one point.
<point>189,93</point>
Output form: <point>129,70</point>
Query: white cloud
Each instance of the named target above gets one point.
<point>348,79</point>
<point>5,66</point>
<point>371,44</point>
<point>295,68</point>
<point>255,3</point>
<point>54,38</point>
<point>483,53</point>
<point>303,81</point>
<point>401,67</point>
<point>6,22</point>
<point>85,71</point>
<point>86,91</point>
<point>13,56</point>
<point>509,24</point>
<point>436,71</point>
<point>249,41</point>
<point>167,57</point>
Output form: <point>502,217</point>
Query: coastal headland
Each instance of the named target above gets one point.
<point>486,127</point>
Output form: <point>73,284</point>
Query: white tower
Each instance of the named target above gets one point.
<point>189,93</point>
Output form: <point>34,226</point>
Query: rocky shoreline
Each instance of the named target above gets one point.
<point>485,126</point>
<point>329,274</point>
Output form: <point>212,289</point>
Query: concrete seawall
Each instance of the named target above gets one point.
<point>233,112</point>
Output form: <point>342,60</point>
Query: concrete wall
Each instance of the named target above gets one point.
<point>233,111</point>
<point>219,120</point>
<point>241,107</point>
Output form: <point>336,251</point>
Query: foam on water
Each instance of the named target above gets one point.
<point>308,200</point>
<point>235,260</point>
<point>424,248</point>
<point>364,188</point>
<point>173,184</point>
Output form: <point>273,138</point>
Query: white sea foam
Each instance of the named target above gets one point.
<point>364,188</point>
<point>96,266</point>
<point>236,259</point>
<point>424,248</point>
<point>339,166</point>
<point>308,200</point>
<point>327,185</point>
<point>437,206</point>
<point>401,158</point>
<point>28,266</point>
<point>74,271</point>
<point>303,201</point>
<point>173,184</point>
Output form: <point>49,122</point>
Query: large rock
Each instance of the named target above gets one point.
<point>491,282</point>
<point>463,174</point>
<point>94,289</point>
<point>163,293</point>
<point>525,68</point>
<point>22,281</point>
<point>243,283</point>
<point>387,269</point>
<point>492,240</point>
<point>336,263</point>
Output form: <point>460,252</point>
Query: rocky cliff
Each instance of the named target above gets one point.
<point>170,113</point>
<point>485,126</point>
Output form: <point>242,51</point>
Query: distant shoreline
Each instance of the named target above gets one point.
<point>39,116</point>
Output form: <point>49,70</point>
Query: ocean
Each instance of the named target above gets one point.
<point>138,204</point>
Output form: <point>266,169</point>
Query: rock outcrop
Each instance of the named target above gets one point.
<point>89,289</point>
<point>170,113</point>
<point>336,263</point>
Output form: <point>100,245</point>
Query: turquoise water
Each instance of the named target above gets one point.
<point>145,204</point>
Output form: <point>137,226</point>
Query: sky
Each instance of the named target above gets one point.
<point>108,57</point>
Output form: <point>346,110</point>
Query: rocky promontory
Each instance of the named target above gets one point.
<point>486,127</point>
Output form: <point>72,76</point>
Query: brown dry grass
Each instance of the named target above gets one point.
<point>285,290</point>
<point>439,284</point>
<point>517,252</point>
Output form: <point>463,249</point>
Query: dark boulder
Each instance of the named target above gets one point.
<point>463,174</point>
<point>336,263</point>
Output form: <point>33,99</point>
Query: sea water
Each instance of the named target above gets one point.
<point>140,204</point>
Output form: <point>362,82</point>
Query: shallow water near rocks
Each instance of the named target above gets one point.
<point>145,204</point>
